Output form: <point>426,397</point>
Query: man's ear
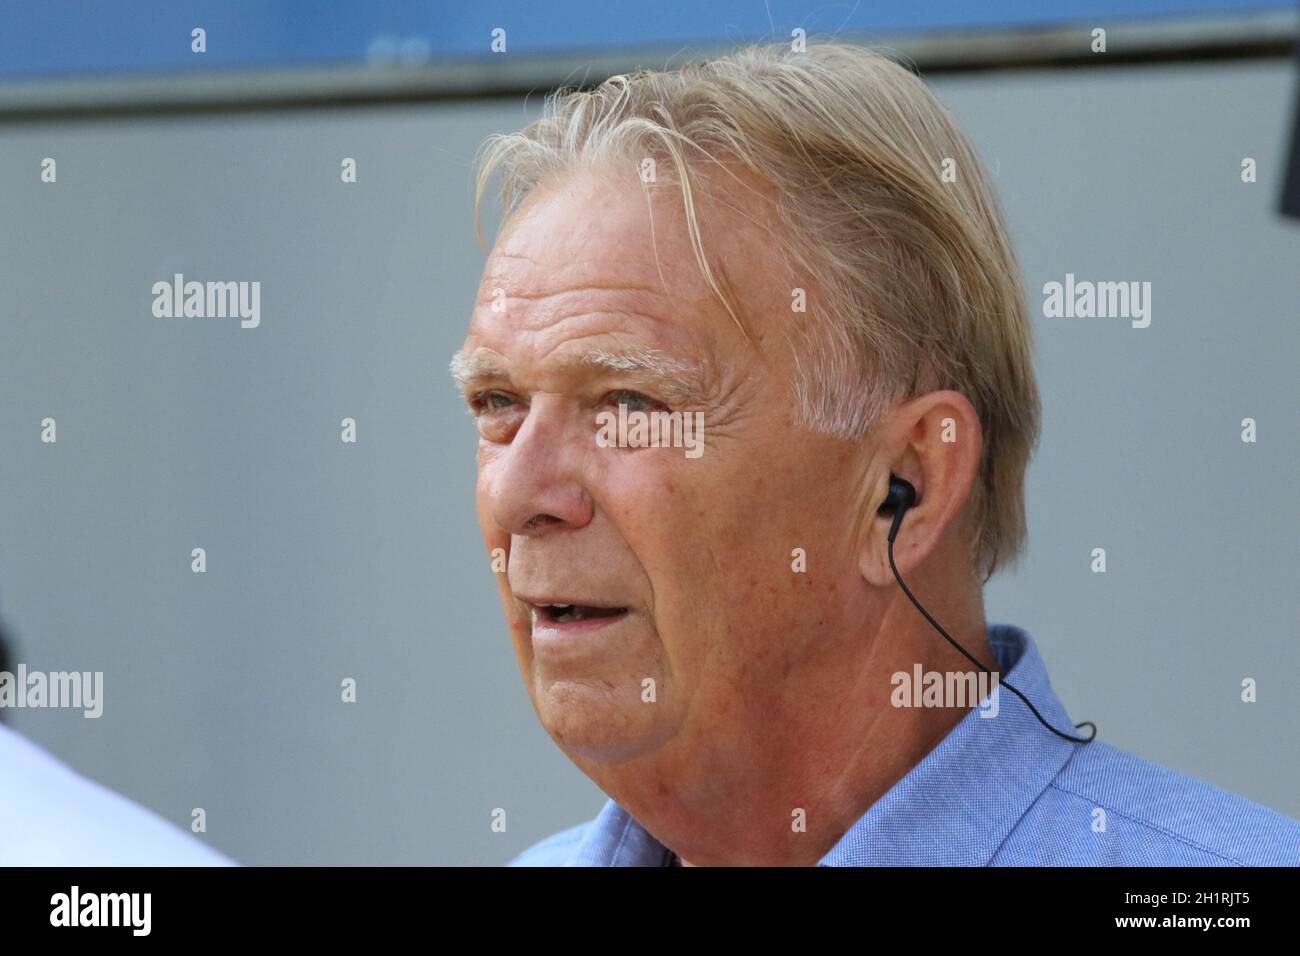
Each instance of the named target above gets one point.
<point>933,442</point>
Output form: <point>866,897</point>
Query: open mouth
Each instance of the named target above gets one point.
<point>571,613</point>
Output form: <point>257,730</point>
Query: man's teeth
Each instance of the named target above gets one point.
<point>569,613</point>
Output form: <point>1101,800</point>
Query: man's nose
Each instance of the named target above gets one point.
<point>538,482</point>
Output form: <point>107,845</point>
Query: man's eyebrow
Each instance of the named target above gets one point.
<point>677,381</point>
<point>471,371</point>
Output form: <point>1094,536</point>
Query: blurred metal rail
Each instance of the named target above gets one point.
<point>1267,34</point>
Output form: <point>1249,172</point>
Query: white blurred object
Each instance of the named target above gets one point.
<point>52,816</point>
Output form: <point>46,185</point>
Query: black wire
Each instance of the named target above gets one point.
<point>1007,684</point>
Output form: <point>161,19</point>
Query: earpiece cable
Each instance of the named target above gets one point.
<point>893,532</point>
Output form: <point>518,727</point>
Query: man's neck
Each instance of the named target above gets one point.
<point>796,792</point>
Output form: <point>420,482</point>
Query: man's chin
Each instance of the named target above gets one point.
<point>591,721</point>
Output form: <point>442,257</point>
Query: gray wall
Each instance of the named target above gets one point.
<point>329,560</point>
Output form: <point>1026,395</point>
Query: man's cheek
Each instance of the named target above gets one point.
<point>497,545</point>
<point>492,534</point>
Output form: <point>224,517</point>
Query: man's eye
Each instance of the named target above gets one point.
<point>491,401</point>
<point>635,401</point>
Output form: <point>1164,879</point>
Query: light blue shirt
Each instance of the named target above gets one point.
<point>52,816</point>
<point>1005,791</point>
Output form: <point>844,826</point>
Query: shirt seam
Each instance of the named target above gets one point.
<point>1149,825</point>
<point>1032,803</point>
<point>627,826</point>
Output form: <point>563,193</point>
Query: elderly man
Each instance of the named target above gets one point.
<point>798,252</point>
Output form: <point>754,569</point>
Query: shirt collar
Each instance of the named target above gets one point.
<point>954,808</point>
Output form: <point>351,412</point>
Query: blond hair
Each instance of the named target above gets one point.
<point>885,206</point>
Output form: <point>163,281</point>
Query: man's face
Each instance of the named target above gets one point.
<point>695,634</point>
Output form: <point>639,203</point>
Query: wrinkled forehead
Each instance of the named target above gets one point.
<point>601,233</point>
<point>596,231</point>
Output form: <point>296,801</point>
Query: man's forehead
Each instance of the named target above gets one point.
<point>521,277</point>
<point>599,233</point>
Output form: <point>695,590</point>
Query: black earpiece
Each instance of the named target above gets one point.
<point>901,494</point>
<point>900,497</point>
